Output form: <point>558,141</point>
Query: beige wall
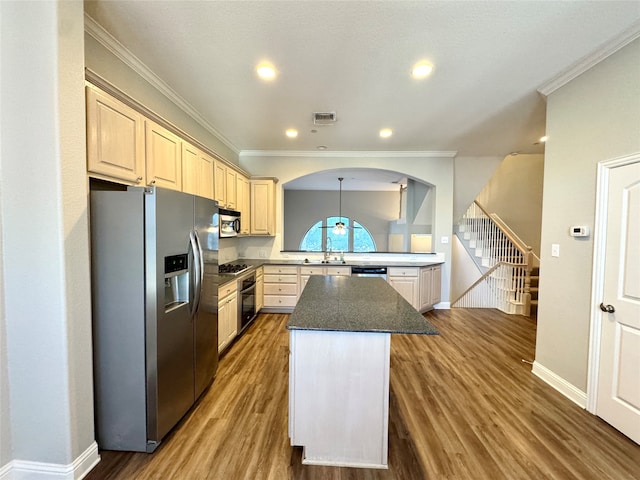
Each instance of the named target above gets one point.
<point>470,174</point>
<point>46,310</point>
<point>514,193</point>
<point>437,171</point>
<point>595,117</point>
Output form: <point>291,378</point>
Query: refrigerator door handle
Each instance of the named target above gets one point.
<point>198,267</point>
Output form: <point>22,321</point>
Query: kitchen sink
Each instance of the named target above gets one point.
<point>323,262</point>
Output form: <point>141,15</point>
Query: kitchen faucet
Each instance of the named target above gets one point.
<point>327,253</point>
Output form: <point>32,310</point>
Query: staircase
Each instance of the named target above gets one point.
<point>535,278</point>
<point>506,262</point>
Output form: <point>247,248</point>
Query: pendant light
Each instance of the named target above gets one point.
<point>340,228</point>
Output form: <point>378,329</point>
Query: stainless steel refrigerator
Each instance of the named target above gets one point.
<point>155,311</point>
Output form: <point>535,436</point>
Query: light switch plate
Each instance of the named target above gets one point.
<point>555,250</point>
<point>444,239</point>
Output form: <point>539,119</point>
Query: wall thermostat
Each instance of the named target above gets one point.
<point>579,231</point>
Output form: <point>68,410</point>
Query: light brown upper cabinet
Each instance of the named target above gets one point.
<point>263,206</point>
<point>163,157</point>
<point>190,168</point>
<point>243,196</point>
<point>197,171</point>
<point>115,139</point>
<point>206,175</point>
<point>220,183</point>
<point>231,186</point>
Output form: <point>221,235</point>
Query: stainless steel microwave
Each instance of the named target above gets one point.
<point>229,223</point>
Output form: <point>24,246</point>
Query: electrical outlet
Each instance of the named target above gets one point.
<point>262,254</point>
<point>555,249</point>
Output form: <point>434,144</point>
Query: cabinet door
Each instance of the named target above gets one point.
<point>163,157</point>
<point>220,183</point>
<point>233,317</point>
<point>262,207</point>
<point>407,287</point>
<point>190,168</point>
<point>426,274</point>
<point>243,204</point>
<point>246,206</point>
<point>231,187</point>
<point>223,322</point>
<point>259,290</point>
<point>115,138</point>
<point>436,284</point>
<point>205,177</point>
<point>303,282</point>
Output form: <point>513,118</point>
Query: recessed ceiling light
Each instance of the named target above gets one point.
<point>543,139</point>
<point>291,133</point>
<point>266,71</point>
<point>321,147</point>
<point>421,69</point>
<point>386,132</point>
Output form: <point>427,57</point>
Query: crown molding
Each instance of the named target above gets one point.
<point>589,61</point>
<point>104,38</point>
<point>348,154</point>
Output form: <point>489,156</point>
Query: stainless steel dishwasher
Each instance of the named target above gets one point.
<point>369,272</point>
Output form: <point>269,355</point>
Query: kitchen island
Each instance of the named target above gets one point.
<point>340,335</point>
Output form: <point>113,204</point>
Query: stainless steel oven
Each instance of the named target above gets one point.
<point>246,300</point>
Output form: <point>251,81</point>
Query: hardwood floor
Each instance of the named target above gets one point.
<point>463,405</point>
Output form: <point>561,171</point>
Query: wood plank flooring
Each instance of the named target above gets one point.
<point>463,405</point>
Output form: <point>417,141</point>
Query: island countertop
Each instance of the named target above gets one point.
<point>356,304</point>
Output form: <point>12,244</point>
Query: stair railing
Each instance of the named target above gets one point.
<point>506,285</point>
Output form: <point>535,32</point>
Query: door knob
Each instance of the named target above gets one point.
<point>607,308</point>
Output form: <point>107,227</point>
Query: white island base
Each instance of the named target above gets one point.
<point>339,397</point>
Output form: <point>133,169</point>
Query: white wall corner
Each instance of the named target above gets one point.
<point>81,466</point>
<point>573,393</point>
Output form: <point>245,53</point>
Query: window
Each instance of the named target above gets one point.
<point>319,239</point>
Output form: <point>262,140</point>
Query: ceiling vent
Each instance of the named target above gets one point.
<point>324,118</point>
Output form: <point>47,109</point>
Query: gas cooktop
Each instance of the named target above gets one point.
<point>233,268</point>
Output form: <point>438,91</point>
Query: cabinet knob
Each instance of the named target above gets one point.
<point>152,182</point>
<point>139,179</point>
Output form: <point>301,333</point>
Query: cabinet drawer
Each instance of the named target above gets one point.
<point>227,290</point>
<point>279,301</point>
<point>278,269</point>
<point>402,272</point>
<point>339,271</point>
<point>280,278</point>
<point>311,270</point>
<point>280,289</point>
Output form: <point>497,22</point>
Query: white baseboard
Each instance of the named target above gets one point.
<point>573,393</point>
<point>5,471</point>
<point>81,466</point>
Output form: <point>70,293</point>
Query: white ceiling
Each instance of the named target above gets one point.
<point>354,58</point>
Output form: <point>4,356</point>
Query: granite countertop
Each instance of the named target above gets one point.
<point>356,304</point>
<point>348,263</point>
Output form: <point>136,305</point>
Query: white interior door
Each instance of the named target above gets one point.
<point>618,393</point>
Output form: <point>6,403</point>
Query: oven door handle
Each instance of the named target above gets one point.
<point>248,289</point>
